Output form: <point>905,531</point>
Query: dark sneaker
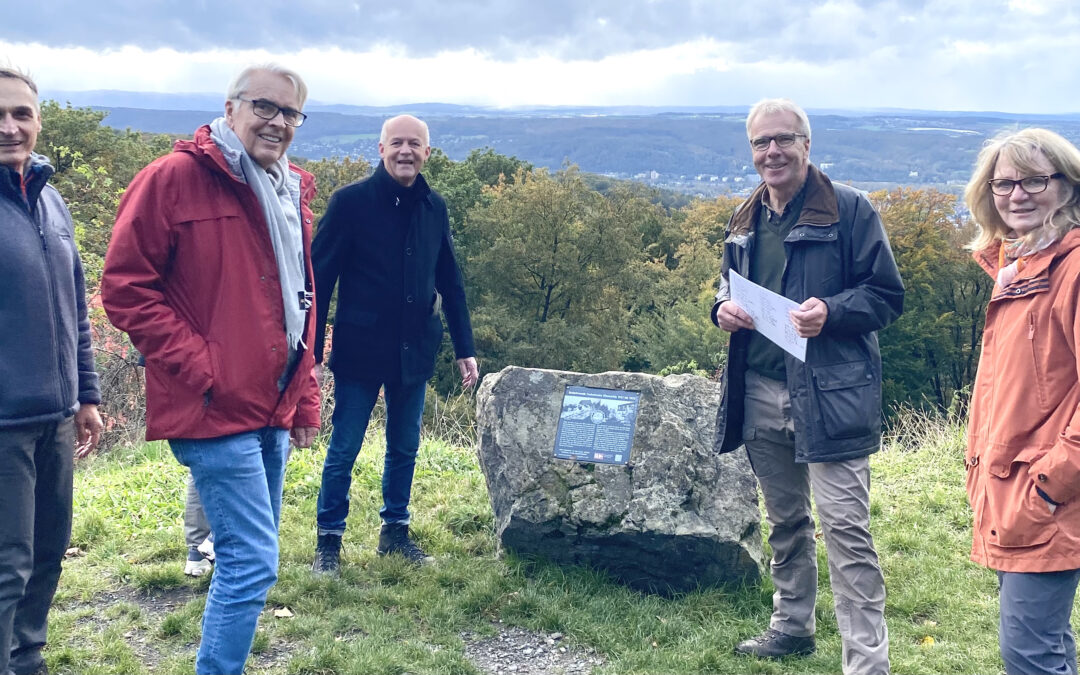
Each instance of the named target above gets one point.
<point>394,538</point>
<point>327,555</point>
<point>772,644</point>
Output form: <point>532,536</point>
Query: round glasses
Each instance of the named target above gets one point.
<point>1032,185</point>
<point>268,110</point>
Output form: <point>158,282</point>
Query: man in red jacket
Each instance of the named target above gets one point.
<point>209,272</point>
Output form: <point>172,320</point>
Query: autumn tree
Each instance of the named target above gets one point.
<point>330,174</point>
<point>676,334</point>
<point>556,272</point>
<point>931,352</point>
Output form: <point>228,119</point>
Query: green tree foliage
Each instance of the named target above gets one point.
<point>67,132</point>
<point>93,166</point>
<point>590,274</point>
<point>462,183</point>
<point>331,174</point>
<point>676,334</point>
<point>557,272</point>
<point>931,353</point>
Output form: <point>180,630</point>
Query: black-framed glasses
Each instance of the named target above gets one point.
<point>268,110</point>
<point>782,141</point>
<point>1032,185</point>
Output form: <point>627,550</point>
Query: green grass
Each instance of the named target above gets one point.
<point>125,606</point>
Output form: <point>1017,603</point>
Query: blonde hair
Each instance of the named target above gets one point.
<point>1023,149</point>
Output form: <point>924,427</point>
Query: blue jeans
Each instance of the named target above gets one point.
<point>239,479</point>
<point>353,403</point>
<point>1034,632</point>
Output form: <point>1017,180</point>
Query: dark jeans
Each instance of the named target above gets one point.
<point>35,528</point>
<point>353,403</point>
<point>1034,632</point>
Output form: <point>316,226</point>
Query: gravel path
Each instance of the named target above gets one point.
<point>516,651</point>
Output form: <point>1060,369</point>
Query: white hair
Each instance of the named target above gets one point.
<point>240,82</point>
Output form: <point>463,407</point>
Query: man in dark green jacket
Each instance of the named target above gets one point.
<point>48,388</point>
<point>811,423</point>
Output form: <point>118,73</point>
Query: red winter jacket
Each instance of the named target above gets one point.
<point>190,275</point>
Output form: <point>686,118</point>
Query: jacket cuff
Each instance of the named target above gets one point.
<point>89,388</point>
<point>1056,476</point>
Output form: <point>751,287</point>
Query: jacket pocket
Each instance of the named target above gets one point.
<point>848,405</point>
<point>218,386</point>
<point>1016,516</point>
<point>1037,352</point>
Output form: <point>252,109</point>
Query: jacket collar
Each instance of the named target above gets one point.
<point>819,206</point>
<point>395,192</point>
<point>1038,265</point>
<point>37,173</point>
<point>203,147</point>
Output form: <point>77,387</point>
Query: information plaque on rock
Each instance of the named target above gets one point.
<point>596,425</point>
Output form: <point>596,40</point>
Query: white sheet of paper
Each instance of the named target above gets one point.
<point>770,314</point>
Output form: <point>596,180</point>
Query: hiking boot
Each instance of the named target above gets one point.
<point>197,564</point>
<point>327,555</point>
<point>772,644</point>
<point>394,538</point>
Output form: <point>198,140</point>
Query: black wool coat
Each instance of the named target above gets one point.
<point>388,250</point>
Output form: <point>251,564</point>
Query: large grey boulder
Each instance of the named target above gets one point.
<point>676,517</point>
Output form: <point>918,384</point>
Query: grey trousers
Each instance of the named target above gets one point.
<point>196,526</point>
<point>35,528</point>
<point>1034,632</point>
<point>841,491</point>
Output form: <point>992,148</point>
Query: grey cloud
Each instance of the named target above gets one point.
<point>506,28</point>
<point>820,31</point>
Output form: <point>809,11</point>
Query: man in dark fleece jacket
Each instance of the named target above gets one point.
<point>48,388</point>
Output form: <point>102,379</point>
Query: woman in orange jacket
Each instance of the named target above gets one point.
<point>1023,454</point>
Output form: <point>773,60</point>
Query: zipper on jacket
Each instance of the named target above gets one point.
<point>54,309</point>
<point>30,212</point>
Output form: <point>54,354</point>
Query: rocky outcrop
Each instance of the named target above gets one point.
<point>677,516</point>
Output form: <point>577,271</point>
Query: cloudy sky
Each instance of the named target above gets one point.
<point>1004,55</point>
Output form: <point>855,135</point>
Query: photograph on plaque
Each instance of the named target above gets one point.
<point>596,425</point>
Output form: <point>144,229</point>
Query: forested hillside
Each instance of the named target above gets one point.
<point>572,272</point>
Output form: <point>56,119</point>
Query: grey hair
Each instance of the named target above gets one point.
<point>423,125</point>
<point>769,106</point>
<point>240,82</point>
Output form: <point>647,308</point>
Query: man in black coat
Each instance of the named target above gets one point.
<point>385,242</point>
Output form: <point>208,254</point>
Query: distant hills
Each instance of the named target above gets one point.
<point>693,149</point>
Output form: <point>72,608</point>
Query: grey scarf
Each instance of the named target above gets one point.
<point>278,192</point>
